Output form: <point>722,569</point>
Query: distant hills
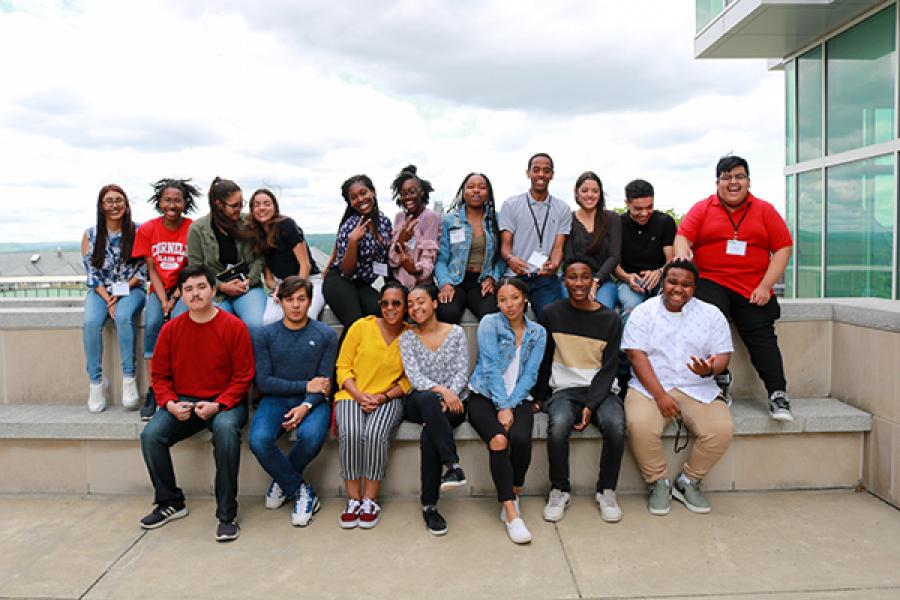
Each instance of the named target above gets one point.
<point>322,241</point>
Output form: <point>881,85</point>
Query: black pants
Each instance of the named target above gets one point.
<point>564,410</point>
<point>756,326</point>
<point>508,466</point>
<point>436,441</point>
<point>349,300</point>
<point>468,295</point>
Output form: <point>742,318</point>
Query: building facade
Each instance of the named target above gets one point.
<point>839,59</point>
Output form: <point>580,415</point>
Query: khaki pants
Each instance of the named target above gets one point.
<point>710,423</point>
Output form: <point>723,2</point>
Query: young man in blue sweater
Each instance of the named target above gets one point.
<point>294,361</point>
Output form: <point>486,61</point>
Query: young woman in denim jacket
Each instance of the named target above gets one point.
<point>469,264</point>
<point>510,350</point>
<point>115,282</point>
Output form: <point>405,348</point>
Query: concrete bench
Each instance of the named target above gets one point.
<point>65,449</point>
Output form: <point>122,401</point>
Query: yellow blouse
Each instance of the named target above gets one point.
<point>364,357</point>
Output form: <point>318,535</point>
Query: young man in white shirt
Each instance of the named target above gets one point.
<point>676,345</point>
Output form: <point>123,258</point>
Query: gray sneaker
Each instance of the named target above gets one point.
<point>660,501</point>
<point>689,494</point>
<point>780,406</point>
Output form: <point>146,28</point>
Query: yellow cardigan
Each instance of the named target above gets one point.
<point>364,357</point>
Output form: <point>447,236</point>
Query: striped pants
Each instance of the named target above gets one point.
<point>363,439</point>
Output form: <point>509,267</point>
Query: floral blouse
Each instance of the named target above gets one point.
<point>447,366</point>
<point>368,251</point>
<point>114,268</point>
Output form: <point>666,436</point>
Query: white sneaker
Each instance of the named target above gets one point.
<point>609,508</point>
<point>274,496</point>
<point>131,400</point>
<point>517,531</point>
<point>97,396</point>
<point>556,505</point>
<point>503,510</point>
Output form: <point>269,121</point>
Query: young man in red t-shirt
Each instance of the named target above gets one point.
<point>742,245</point>
<point>202,367</point>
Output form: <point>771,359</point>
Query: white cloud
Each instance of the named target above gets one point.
<point>299,98</point>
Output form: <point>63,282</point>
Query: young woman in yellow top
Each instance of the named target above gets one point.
<point>369,406</point>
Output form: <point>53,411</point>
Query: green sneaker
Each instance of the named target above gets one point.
<point>660,501</point>
<point>689,494</point>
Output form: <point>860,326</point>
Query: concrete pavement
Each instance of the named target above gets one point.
<point>775,545</point>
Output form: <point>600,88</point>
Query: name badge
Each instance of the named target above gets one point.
<point>380,268</point>
<point>736,248</point>
<point>457,236</point>
<point>537,259</point>
<point>120,288</point>
<point>411,243</point>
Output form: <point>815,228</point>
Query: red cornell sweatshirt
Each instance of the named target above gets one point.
<point>203,360</point>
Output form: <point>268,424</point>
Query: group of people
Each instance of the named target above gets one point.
<point>619,339</point>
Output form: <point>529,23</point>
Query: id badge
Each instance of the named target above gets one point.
<point>380,268</point>
<point>457,236</point>
<point>736,248</point>
<point>537,259</point>
<point>411,243</point>
<point>120,288</point>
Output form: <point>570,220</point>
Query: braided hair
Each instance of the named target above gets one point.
<point>490,212</point>
<point>189,192</point>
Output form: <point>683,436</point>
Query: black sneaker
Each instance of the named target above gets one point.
<point>453,478</point>
<point>434,522</point>
<point>724,381</point>
<point>780,406</point>
<point>227,531</point>
<point>149,407</point>
<point>162,514</point>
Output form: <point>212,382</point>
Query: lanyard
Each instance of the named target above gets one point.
<point>540,231</point>
<point>738,226</point>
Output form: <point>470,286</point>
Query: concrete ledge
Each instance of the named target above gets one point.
<point>33,421</point>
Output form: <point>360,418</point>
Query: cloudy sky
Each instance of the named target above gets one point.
<point>297,96</point>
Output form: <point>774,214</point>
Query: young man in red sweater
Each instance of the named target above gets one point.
<point>202,367</point>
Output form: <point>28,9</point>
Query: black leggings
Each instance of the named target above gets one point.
<point>436,441</point>
<point>508,466</point>
<point>468,295</point>
<point>349,300</point>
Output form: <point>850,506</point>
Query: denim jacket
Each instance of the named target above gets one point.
<point>450,266</point>
<point>496,349</point>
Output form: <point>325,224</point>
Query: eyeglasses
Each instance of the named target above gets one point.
<point>114,202</point>
<point>739,177</point>
<point>393,303</point>
<point>234,205</point>
<point>410,193</point>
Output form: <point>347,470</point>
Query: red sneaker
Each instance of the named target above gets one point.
<point>368,515</point>
<point>350,517</point>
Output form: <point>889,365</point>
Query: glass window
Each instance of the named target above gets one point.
<point>809,234</point>
<point>809,105</point>
<point>859,238</point>
<point>707,10</point>
<point>789,200</point>
<point>861,66</point>
<point>790,100</point>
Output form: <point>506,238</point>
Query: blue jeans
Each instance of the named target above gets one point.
<point>542,290</point>
<point>564,410</point>
<point>95,316</point>
<point>153,321</point>
<point>164,431</point>
<point>606,294</point>
<point>630,299</point>
<point>248,307</point>
<point>287,471</point>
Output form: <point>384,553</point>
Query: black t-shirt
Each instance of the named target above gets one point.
<point>281,260</point>
<point>228,253</point>
<point>642,246</point>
